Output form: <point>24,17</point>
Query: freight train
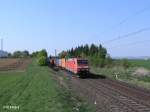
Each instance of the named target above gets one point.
<point>74,65</point>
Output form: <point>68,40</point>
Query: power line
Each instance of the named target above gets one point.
<point>128,18</point>
<point>133,43</point>
<point>127,35</point>
<point>138,42</point>
<point>135,14</point>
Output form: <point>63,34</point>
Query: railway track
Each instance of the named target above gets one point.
<point>117,97</point>
<point>142,90</point>
<point>130,90</point>
<point>125,97</point>
<point>111,96</point>
<point>99,95</point>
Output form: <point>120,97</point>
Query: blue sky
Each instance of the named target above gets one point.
<point>62,24</point>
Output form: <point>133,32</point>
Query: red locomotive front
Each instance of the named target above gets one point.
<point>77,65</point>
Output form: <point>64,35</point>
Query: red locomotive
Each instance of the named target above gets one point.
<point>77,65</point>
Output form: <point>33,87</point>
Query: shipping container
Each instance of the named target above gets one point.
<point>56,62</point>
<point>59,62</point>
<point>63,63</point>
<point>52,62</point>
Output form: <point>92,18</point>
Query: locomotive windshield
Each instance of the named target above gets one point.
<point>82,62</point>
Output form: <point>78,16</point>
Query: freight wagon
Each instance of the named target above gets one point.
<point>63,63</point>
<point>74,65</point>
<point>52,62</point>
<point>56,62</point>
<point>59,62</point>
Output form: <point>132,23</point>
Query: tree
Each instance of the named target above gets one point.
<point>108,61</point>
<point>63,54</point>
<point>9,55</point>
<point>35,54</point>
<point>21,54</point>
<point>42,53</point>
<point>72,53</point>
<point>102,52</point>
<point>42,61</point>
<point>93,49</point>
<point>25,53</point>
<point>17,54</point>
<point>42,58</point>
<point>86,49</point>
<point>96,54</point>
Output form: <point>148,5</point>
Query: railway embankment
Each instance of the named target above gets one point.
<point>107,95</point>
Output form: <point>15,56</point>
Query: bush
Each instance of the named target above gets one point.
<point>42,53</point>
<point>102,62</point>
<point>125,63</point>
<point>42,61</point>
<point>35,54</point>
<point>108,61</point>
<point>96,61</point>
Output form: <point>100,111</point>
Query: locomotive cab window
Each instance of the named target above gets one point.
<point>80,62</point>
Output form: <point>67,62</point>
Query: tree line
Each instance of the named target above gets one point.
<point>41,55</point>
<point>19,54</point>
<point>96,54</point>
<point>26,54</point>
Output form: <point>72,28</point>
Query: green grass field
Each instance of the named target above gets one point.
<point>126,74</point>
<point>33,91</point>
<point>140,63</point>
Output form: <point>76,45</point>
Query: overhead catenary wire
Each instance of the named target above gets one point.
<point>127,35</point>
<point>130,44</point>
<point>125,20</point>
<point>133,15</point>
<point>128,18</point>
<point>130,34</point>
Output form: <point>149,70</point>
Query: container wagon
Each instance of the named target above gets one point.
<point>63,63</point>
<point>56,62</point>
<point>59,62</point>
<point>52,63</point>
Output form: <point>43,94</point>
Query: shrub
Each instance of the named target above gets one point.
<point>42,61</point>
<point>125,63</point>
<point>96,61</point>
<point>108,61</point>
<point>35,54</point>
<point>42,53</point>
<point>101,62</point>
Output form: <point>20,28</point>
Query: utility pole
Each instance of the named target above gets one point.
<point>55,52</point>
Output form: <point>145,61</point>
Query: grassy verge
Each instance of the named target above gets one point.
<point>126,75</point>
<point>33,91</point>
<point>78,103</point>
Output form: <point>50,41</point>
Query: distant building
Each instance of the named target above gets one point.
<point>3,54</point>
